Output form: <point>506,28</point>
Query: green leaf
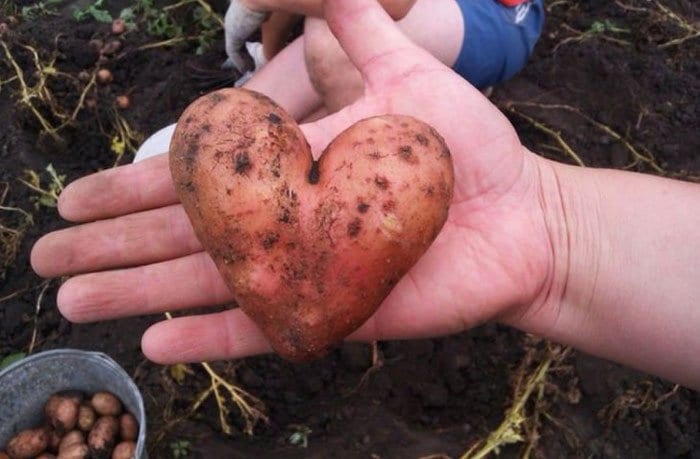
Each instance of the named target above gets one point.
<point>101,15</point>
<point>10,359</point>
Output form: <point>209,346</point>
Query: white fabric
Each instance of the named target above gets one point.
<point>239,23</point>
<point>255,49</point>
<point>156,144</point>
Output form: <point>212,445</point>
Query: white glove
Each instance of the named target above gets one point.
<point>255,49</point>
<point>240,22</point>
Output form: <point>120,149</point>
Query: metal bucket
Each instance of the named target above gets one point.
<point>26,385</point>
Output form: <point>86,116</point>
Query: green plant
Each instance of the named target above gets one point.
<point>606,25</point>
<point>38,9</point>
<point>94,10</point>
<point>180,448</point>
<point>11,358</point>
<point>47,194</point>
<point>186,20</point>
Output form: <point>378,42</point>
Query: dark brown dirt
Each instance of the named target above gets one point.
<point>430,396</point>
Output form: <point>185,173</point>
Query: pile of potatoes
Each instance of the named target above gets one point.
<point>78,427</point>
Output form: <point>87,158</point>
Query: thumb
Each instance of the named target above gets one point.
<point>372,40</point>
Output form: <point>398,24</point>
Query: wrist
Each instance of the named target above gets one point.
<point>570,206</point>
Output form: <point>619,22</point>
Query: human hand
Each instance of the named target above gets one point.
<point>239,23</point>
<point>492,259</point>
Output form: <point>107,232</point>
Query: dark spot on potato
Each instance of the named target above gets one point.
<point>275,166</point>
<point>274,119</point>
<point>375,155</point>
<point>189,186</point>
<point>228,191</point>
<point>404,124</point>
<point>381,182</point>
<point>372,131</point>
<point>190,155</point>
<point>362,207</point>
<point>243,163</point>
<point>406,152</point>
<point>445,151</point>
<point>354,227</point>
<point>430,190</point>
<point>423,140</point>
<point>294,271</point>
<point>206,127</point>
<point>369,140</point>
<point>218,155</point>
<point>270,239</point>
<point>293,339</point>
<point>314,173</point>
<point>388,206</point>
<point>216,97</point>
<point>284,216</point>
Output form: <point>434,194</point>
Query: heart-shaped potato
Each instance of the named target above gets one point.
<point>308,249</point>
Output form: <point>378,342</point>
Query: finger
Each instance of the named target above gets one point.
<point>136,239</point>
<point>372,40</point>
<point>319,133</point>
<point>122,190</point>
<point>226,335</point>
<point>185,282</point>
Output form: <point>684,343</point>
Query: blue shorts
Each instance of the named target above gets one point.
<point>498,39</point>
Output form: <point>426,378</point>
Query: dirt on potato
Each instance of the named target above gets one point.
<point>617,83</point>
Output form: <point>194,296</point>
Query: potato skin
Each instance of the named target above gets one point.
<point>106,404</point>
<point>75,451</point>
<point>74,437</point>
<point>62,412</point>
<point>28,443</point>
<point>3,455</point>
<point>86,417</point>
<point>103,436</point>
<point>128,427</point>
<point>309,251</point>
<point>124,450</point>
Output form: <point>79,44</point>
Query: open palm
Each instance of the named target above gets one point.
<point>491,259</point>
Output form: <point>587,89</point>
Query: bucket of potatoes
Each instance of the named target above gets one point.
<point>70,404</point>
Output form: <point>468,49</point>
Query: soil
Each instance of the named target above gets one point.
<point>429,397</point>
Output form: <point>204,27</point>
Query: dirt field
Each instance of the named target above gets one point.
<point>611,84</point>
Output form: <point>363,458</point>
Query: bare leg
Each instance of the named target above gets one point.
<point>435,25</point>
<point>395,8</point>
<point>275,32</point>
<point>285,80</point>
